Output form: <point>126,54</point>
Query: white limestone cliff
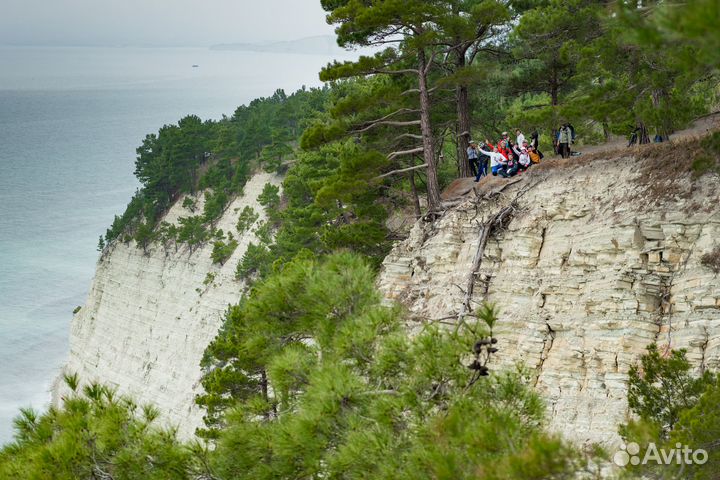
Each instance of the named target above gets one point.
<point>150,315</point>
<point>587,274</point>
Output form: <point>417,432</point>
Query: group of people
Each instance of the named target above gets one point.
<point>506,158</point>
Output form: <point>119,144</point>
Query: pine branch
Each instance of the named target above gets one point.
<point>389,123</point>
<point>401,153</point>
<point>402,170</point>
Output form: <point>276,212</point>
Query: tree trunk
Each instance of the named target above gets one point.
<point>463,113</point>
<point>433,186</point>
<point>554,91</point>
<point>264,387</point>
<point>416,199</point>
<point>462,100</point>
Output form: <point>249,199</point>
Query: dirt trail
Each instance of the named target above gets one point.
<point>701,126</point>
<point>461,187</point>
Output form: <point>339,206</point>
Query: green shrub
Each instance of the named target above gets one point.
<point>215,202</point>
<point>256,261</point>
<point>704,164</point>
<point>192,231</point>
<point>246,219</point>
<point>269,197</point>
<point>95,433</point>
<point>190,204</point>
<point>209,278</point>
<point>222,250</point>
<point>663,386</point>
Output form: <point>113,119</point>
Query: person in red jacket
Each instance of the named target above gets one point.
<point>504,149</point>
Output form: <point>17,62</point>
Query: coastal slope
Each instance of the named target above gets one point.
<point>150,315</point>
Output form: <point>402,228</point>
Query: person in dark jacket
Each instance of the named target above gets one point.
<point>473,154</point>
<point>535,143</point>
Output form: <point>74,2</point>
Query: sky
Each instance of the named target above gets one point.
<point>157,22</point>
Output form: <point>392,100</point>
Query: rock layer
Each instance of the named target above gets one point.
<point>585,276</point>
<point>150,315</point>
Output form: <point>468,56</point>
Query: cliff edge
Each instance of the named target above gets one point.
<point>150,315</point>
<point>600,257</point>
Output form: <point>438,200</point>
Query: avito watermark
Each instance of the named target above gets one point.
<point>680,455</point>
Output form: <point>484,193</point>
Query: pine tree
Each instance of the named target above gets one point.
<point>96,433</point>
<point>408,26</point>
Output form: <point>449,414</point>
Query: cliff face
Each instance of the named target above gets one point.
<point>591,269</point>
<point>150,316</point>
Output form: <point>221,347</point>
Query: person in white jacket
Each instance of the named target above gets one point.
<point>520,137</point>
<point>524,157</point>
<point>497,161</point>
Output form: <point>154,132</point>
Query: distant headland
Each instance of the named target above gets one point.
<point>322,44</point>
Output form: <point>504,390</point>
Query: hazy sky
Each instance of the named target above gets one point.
<point>157,22</point>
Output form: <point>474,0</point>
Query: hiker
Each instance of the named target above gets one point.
<point>497,160</point>
<point>534,154</point>
<point>519,137</point>
<point>524,160</point>
<point>565,136</point>
<point>534,143</point>
<point>472,153</point>
<point>482,161</point>
<point>504,149</point>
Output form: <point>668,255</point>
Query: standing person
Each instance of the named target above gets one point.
<point>472,153</point>
<point>564,139</point>
<point>519,137</point>
<point>483,161</point>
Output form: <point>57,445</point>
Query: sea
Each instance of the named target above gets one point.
<point>70,121</point>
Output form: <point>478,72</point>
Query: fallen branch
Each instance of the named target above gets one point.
<point>485,230</point>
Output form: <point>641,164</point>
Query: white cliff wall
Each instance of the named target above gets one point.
<point>585,276</point>
<point>150,316</point>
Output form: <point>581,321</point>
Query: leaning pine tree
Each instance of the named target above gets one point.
<point>406,28</point>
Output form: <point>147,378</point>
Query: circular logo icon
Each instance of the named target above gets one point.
<point>623,456</point>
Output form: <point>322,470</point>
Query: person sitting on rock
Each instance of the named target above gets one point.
<point>535,144</point>
<point>504,149</point>
<point>508,145</point>
<point>534,154</point>
<point>524,161</point>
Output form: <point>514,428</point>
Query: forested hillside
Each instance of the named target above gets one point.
<point>312,375</point>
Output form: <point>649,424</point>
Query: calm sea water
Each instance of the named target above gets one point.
<point>70,120</point>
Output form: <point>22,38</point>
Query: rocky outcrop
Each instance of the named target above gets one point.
<point>150,315</point>
<point>588,272</point>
